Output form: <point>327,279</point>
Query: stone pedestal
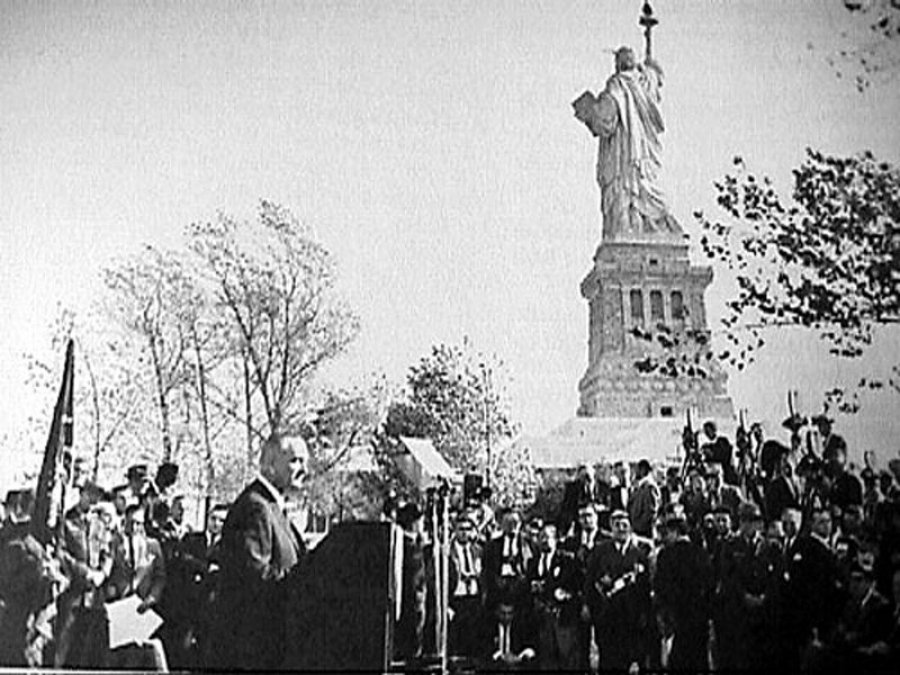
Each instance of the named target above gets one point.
<point>646,285</point>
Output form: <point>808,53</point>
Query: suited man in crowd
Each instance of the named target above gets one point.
<point>505,559</point>
<point>466,560</point>
<point>409,629</point>
<point>587,488</point>
<point>682,590</point>
<point>781,491</point>
<point>644,501</point>
<point>198,553</point>
<point>138,569</point>
<point>814,592</point>
<point>865,621</point>
<point>581,545</point>
<point>509,639</point>
<point>717,449</point>
<point>617,590</point>
<point>80,624</point>
<point>553,580</point>
<point>720,493</point>
<point>28,577</point>
<point>259,548</point>
<point>831,442</point>
<point>745,585</point>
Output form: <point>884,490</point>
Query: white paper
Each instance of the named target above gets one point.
<point>126,625</point>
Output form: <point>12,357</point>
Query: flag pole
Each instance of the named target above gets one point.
<point>59,439</point>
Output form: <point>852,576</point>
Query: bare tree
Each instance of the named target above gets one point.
<point>276,283</point>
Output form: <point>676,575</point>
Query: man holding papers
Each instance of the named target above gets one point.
<point>138,577</point>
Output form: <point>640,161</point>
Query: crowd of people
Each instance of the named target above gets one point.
<point>785,560</point>
<point>789,561</point>
<point>130,540</point>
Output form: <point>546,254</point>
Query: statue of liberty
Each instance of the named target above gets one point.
<point>626,118</point>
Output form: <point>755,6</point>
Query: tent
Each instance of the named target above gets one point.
<point>422,464</point>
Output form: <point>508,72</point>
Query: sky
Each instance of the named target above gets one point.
<point>431,146</point>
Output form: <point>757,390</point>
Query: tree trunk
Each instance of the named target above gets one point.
<point>248,413</point>
<point>204,420</point>
<point>163,402</point>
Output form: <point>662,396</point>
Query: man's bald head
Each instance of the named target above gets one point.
<point>283,460</point>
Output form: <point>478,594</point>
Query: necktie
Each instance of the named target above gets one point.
<point>469,569</point>
<point>133,561</point>
<point>504,639</point>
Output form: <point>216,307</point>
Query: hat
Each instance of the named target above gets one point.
<point>721,510</point>
<point>618,514</point>
<point>821,418</point>
<point>137,471</point>
<point>749,511</point>
<point>794,422</point>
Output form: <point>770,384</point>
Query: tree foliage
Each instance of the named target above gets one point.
<point>872,53</point>
<point>344,434</point>
<point>111,392</point>
<point>829,260</point>
<point>457,397</point>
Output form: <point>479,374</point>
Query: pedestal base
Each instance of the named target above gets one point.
<point>651,287</point>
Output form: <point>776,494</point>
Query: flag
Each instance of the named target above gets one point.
<point>48,504</point>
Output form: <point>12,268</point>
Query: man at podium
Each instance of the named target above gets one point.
<point>259,547</point>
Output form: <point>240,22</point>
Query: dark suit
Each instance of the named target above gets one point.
<point>259,547</point>
<point>138,567</point>
<point>720,451</point>
<point>814,593</point>
<point>643,507</point>
<point>578,493</point>
<point>505,574</point>
<point>82,633</point>
<point>466,563</point>
<point>682,589</point>
<point>781,493</point>
<point>749,572</point>
<point>582,551</point>
<point>25,594</point>
<point>846,490</point>
<point>620,609</point>
<point>554,592</point>
<point>521,637</point>
<point>187,598</point>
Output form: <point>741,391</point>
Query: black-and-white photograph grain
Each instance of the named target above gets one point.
<point>450,336</point>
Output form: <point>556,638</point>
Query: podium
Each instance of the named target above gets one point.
<point>341,602</point>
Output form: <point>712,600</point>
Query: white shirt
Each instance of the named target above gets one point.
<point>546,561</point>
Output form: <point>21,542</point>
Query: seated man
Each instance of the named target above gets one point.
<point>509,639</point>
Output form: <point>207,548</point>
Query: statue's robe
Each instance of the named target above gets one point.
<point>627,119</point>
